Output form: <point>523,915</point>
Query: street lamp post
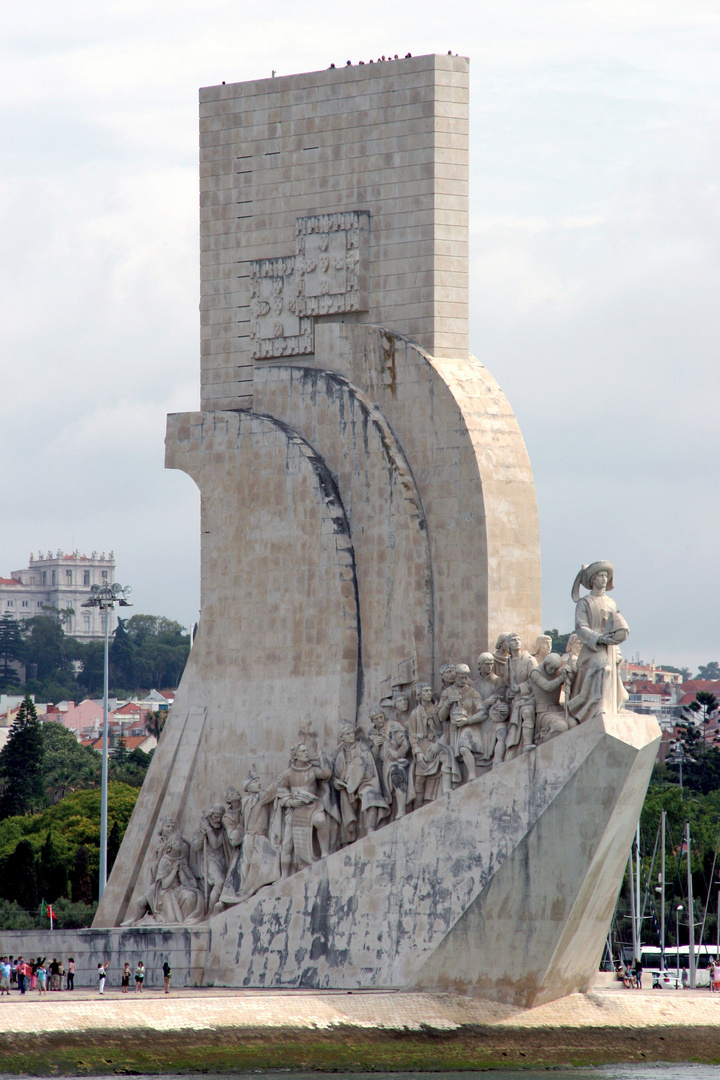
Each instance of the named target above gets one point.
<point>106,597</point>
<point>677,938</point>
<point>678,757</point>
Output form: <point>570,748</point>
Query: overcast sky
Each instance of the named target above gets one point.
<point>595,273</point>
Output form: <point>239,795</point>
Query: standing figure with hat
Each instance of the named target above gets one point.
<point>597,687</point>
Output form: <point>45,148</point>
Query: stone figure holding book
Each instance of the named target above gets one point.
<point>597,688</point>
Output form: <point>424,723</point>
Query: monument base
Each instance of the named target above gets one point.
<point>184,948</point>
<point>503,889</point>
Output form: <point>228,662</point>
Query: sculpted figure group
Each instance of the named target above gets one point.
<point>412,749</point>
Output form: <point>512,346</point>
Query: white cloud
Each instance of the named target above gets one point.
<point>594,239</point>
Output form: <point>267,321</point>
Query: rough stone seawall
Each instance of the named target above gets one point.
<point>184,949</point>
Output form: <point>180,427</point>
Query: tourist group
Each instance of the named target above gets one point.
<point>37,974</point>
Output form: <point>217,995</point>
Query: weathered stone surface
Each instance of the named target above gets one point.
<point>383,507</point>
<point>375,158</point>
<point>473,475</point>
<point>279,639</point>
<point>368,514</point>
<point>185,949</point>
<point>504,888</point>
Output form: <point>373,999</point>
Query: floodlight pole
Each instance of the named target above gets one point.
<point>104,778</point>
<point>106,597</point>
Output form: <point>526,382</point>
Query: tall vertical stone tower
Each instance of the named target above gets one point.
<point>365,167</point>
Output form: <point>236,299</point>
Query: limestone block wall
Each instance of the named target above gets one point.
<point>279,641</point>
<point>380,510</point>
<point>185,950</point>
<point>473,475</point>
<point>384,511</point>
<point>280,619</point>
<point>388,139</point>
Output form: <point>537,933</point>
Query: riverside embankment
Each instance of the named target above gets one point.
<point>214,1030</point>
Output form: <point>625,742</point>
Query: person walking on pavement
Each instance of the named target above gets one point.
<point>102,975</point>
<point>166,976</point>
<point>4,976</point>
<point>71,974</point>
<point>139,976</point>
<point>125,981</point>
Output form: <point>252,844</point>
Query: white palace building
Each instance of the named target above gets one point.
<point>59,582</point>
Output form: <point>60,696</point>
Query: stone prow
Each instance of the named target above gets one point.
<point>504,888</point>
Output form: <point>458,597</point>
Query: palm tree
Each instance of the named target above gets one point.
<point>155,721</point>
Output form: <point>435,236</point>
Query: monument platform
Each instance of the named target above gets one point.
<point>230,1030</point>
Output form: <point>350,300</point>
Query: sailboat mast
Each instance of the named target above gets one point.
<point>691,911</point>
<point>637,888</point>
<point>662,895</point>
<point>633,921</point>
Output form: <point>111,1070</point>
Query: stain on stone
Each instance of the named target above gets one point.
<point>388,372</point>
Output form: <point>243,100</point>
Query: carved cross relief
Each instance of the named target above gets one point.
<point>327,275</point>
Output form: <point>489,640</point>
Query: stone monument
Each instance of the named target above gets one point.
<point>331,795</point>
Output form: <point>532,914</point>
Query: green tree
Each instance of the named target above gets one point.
<point>71,915</point>
<point>21,764</point>
<point>121,754</point>
<point>133,770</point>
<point>92,668</point>
<point>11,649</point>
<point>113,846</point>
<point>18,876</point>
<point>155,722</point>
<point>52,871</point>
<point>122,656</point>
<point>710,671</point>
<point>701,763</point>
<point>75,823</point>
<point>43,648</point>
<point>559,641</point>
<point>80,879</point>
<point>13,917</point>
<point>684,671</point>
<point>702,711</point>
<point>67,766</point>
<point>161,646</point>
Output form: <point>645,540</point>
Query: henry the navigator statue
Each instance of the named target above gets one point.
<point>597,687</point>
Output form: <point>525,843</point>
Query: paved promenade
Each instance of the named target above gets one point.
<point>223,1030</point>
<point>210,1009</point>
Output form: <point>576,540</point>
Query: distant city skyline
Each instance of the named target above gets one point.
<point>594,276</point>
